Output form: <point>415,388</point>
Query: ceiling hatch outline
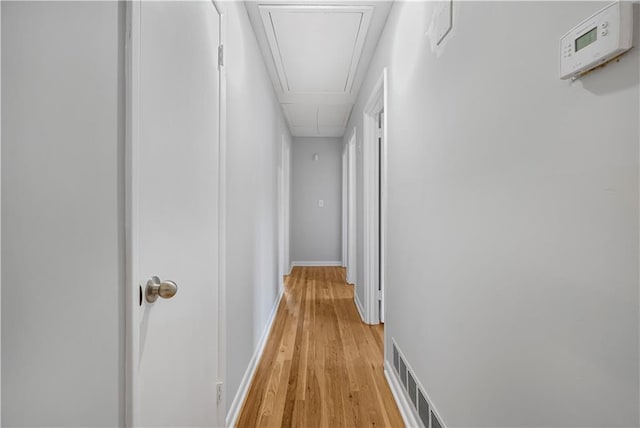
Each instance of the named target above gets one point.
<point>267,13</point>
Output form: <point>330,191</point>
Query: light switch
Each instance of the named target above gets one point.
<point>321,203</point>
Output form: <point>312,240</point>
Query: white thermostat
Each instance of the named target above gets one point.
<point>596,40</point>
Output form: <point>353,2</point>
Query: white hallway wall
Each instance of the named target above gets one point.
<point>512,218</point>
<point>62,218</point>
<point>316,233</point>
<point>256,127</point>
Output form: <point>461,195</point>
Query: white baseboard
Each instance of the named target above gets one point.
<point>358,304</point>
<point>315,263</point>
<point>290,268</point>
<point>404,405</point>
<point>349,278</point>
<point>243,389</point>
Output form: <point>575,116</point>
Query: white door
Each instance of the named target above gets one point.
<point>173,213</point>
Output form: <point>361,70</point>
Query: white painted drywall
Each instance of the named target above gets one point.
<point>512,275</point>
<point>316,231</point>
<point>62,229</point>
<point>255,129</point>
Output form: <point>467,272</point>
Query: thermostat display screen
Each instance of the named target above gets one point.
<point>586,39</point>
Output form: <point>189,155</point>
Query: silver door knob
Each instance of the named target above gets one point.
<point>164,289</point>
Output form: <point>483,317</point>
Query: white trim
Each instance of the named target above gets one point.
<point>351,208</point>
<point>291,266</point>
<point>284,207</point>
<point>0,211</point>
<point>280,200</point>
<point>287,193</point>
<point>222,210</point>
<point>345,166</point>
<point>132,124</point>
<point>404,405</point>
<point>243,389</point>
<point>375,104</point>
<point>383,203</point>
<point>316,263</point>
<point>356,300</point>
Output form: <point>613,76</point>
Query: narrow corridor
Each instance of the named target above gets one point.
<point>321,366</point>
<point>205,207</point>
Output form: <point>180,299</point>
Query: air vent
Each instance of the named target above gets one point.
<point>396,359</point>
<point>423,409</point>
<point>403,372</point>
<point>411,389</point>
<point>435,423</point>
<point>414,390</point>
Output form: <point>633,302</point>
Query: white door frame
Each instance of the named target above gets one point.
<point>281,203</point>
<point>284,206</point>
<point>0,209</point>
<point>133,101</point>
<point>345,210</point>
<point>222,214</point>
<point>287,212</point>
<point>351,208</point>
<point>374,240</point>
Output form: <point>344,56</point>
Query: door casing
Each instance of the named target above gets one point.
<point>352,207</point>
<point>345,166</point>
<point>284,207</point>
<point>374,201</point>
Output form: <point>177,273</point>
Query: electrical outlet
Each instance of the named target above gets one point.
<point>321,203</point>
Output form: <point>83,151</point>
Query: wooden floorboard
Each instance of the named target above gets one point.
<point>321,367</point>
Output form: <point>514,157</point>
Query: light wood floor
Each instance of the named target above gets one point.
<point>322,367</point>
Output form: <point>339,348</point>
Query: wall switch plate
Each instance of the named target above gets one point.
<point>321,203</point>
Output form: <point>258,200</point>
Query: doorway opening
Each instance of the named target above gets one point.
<point>375,201</point>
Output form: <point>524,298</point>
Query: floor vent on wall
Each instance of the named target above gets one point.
<point>435,423</point>
<point>414,390</point>
<point>423,409</point>
<point>403,372</point>
<point>411,389</point>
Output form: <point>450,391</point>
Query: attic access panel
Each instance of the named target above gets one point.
<point>316,49</point>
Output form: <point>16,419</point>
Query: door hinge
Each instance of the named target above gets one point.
<point>219,392</point>
<point>221,56</point>
<point>379,294</point>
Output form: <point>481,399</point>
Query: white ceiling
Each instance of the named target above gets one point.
<point>317,53</point>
